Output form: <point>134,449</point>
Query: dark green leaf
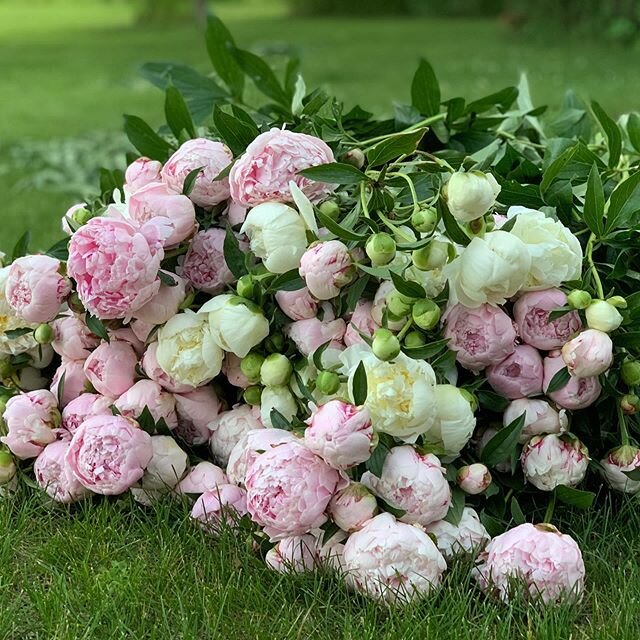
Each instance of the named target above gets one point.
<point>633,129</point>
<point>167,279</point>
<point>96,327</point>
<point>389,508</point>
<point>278,421</point>
<point>233,254</point>
<point>504,443</point>
<point>407,287</point>
<point>145,139</point>
<point>634,474</point>
<point>224,173</point>
<point>630,340</point>
<point>220,46</point>
<point>360,385</point>
<point>594,203</point>
<point>559,380</point>
<point>456,508</point>
<point>61,383</point>
<point>503,98</point>
<point>60,250</point>
<point>146,421</point>
<point>394,147</point>
<point>624,203</point>
<point>375,463</point>
<point>317,355</point>
<point>454,231</point>
<point>262,75</point>
<point>177,114</point>
<point>516,511</point>
<point>114,410</point>
<point>334,173</point>
<point>355,292</point>
<point>12,334</point>
<point>575,497</point>
<point>338,230</point>
<point>190,181</point>
<point>289,281</point>
<point>425,90</point>
<point>22,246</point>
<point>611,131</point>
<point>235,132</point>
<point>558,313</point>
<point>427,351</point>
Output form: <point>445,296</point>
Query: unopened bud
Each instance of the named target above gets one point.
<point>381,249</point>
<point>251,366</point>
<point>434,256</point>
<point>579,299</point>
<point>426,314</point>
<point>617,301</point>
<point>474,478</point>
<point>275,370</point>
<point>7,467</point>
<point>386,345</point>
<point>354,157</point>
<point>328,382</point>
<point>424,220</point>
<point>43,334</point>
<point>188,301</point>
<point>274,343</point>
<point>630,404</point>
<point>630,372</point>
<point>398,304</point>
<point>252,395</point>
<point>603,316</point>
<point>82,216</point>
<point>246,287</point>
<point>330,208</point>
<point>414,339</point>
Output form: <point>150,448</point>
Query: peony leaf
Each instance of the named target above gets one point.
<point>220,45</point>
<point>236,133</point>
<point>395,146</point>
<point>425,89</point>
<point>61,388</point>
<point>456,509</point>
<point>611,131</point>
<point>407,287</point>
<point>190,181</point>
<point>559,380</point>
<point>96,327</point>
<point>289,281</point>
<point>278,421</point>
<point>177,114</point>
<point>634,474</point>
<point>360,385</point>
<point>233,255</point>
<point>334,173</point>
<point>376,461</point>
<point>504,443</point>
<point>575,497</point>
<point>594,203</point>
<point>145,139</point>
<point>22,246</point>
<point>12,334</point>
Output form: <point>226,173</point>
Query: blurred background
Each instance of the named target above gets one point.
<point>69,69</point>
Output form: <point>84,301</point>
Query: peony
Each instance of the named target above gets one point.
<point>153,370</point>
<point>412,482</point>
<point>196,410</point>
<point>83,407</point>
<point>69,381</point>
<point>72,338</point>
<point>279,398</point>
<point>468,536</point>
<point>589,354</point>
<point>108,454</point>
<point>297,305</point>
<point>340,433</point>
<point>470,195</point>
<point>35,289</point>
<point>310,334</point>
<point>518,375</point>
<point>212,157</point>
<point>188,351</point>
<point>277,235</point>
<point>236,214</point>
<point>221,507</point>
<point>552,460</point>
<point>578,393</point>
<point>139,174</point>
<point>147,394</point>
<point>271,161</point>
<point>295,554</point>
<point>115,266</point>
<point>229,427</point>
<point>167,465</point>
<point>352,507</point>
<point>603,316</point>
<point>474,478</point>
<point>361,322</point>
<point>31,419</point>
<point>288,490</point>
<point>531,313</point>
<point>489,269</point>
<point>548,562</point>
<point>54,476</point>
<point>326,267</point>
<point>164,305</point>
<point>540,417</point>
<point>232,371</point>
<point>10,321</point>
<point>204,477</point>
<point>237,325</point>
<point>556,254</point>
<point>380,304</point>
<point>618,461</point>
<point>392,561</point>
<point>111,368</point>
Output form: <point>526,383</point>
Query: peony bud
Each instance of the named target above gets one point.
<point>470,195</point>
<point>590,353</point>
<point>426,314</point>
<point>275,370</point>
<point>414,339</point>
<point>381,249</point>
<point>579,299</point>
<point>251,366</point>
<point>630,372</point>
<point>330,208</point>
<point>474,478</point>
<point>327,382</point>
<point>434,256</point>
<point>7,467</point>
<point>81,216</point>
<point>252,395</point>
<point>618,461</point>
<point>603,316</point>
<point>352,507</point>
<point>424,220</point>
<point>617,301</point>
<point>246,287</point>
<point>398,304</point>
<point>354,157</point>
<point>274,343</point>
<point>630,404</point>
<point>386,345</point>
<point>43,334</point>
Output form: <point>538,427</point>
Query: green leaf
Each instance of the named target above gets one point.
<point>289,281</point>
<point>630,340</point>
<point>376,461</point>
<point>624,203</point>
<point>516,511</point>
<point>633,129</point>
<point>145,139</point>
<point>167,279</point>
<point>426,351</point>
<point>425,90</point>
<point>558,313</point>
<point>177,114</point>
<point>96,327</point>
<point>235,132</point>
<point>334,173</point>
<point>503,98</point>
<point>60,250</point>
<point>394,147</point>
<point>634,474</point>
<point>407,287</point>
<point>594,203</point>
<point>233,254</point>
<point>456,508</point>
<point>316,358</point>
<point>22,246</point>
<point>224,173</point>
<point>355,292</point>
<point>262,75</point>
<point>504,443</point>
<point>220,45</point>
<point>575,497</point>
<point>389,508</point>
<point>338,230</point>
<point>146,421</point>
<point>12,334</point>
<point>278,421</point>
<point>190,181</point>
<point>61,383</point>
<point>454,231</point>
<point>360,385</point>
<point>611,131</point>
<point>559,380</point>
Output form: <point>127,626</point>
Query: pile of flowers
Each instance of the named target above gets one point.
<point>372,345</point>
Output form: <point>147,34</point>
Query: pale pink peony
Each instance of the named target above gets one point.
<point>232,371</point>
<point>164,305</point>
<point>468,536</point>
<point>142,330</point>
<point>140,173</point>
<point>72,338</point>
<point>153,369</point>
<point>518,375</point>
<point>288,490</point>
<point>149,394</point>
<point>412,482</point>
<point>213,157</point>
<point>298,304</point>
<point>220,507</point>
<point>75,381</point>
<point>578,393</point>
<point>352,507</point>
<point>115,266</point>
<point>126,334</point>
<point>84,406</point>
<point>229,427</point>
<point>616,464</point>
<point>540,417</point>
<point>474,478</point>
<point>196,410</point>
<point>340,433</point>
<point>31,419</point>
<point>361,321</point>
<point>589,354</point>
<point>111,368</point>
<point>310,334</point>
<point>480,337</point>
<point>271,161</point>
<point>53,474</point>
<point>531,313</point>
<point>204,477</point>
<point>326,267</point>
<point>392,561</point>
<point>548,562</point>
<point>295,554</point>
<point>236,214</point>
<point>35,289</point>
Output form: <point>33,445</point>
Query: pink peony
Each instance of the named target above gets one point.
<point>153,369</point>
<point>222,506</point>
<point>204,477</point>
<point>140,173</point>
<point>326,267</point>
<point>310,334</point>
<point>141,330</point>
<point>229,427</point>
<point>518,375</point>
<point>164,305</point>
<point>298,304</point>
<point>352,507</point>
<point>232,371</point>
<point>474,478</point>
<point>108,454</point>
<point>75,381</point>
<point>540,417</point>
<point>271,161</point>
<point>361,322</point>
<point>149,394</point>
<point>213,157</point>
<point>578,393</point>
<point>72,338</point>
<point>295,554</point>
<point>115,266</point>
<point>548,562</point>
<point>340,433</point>
<point>589,354</point>
<point>84,406</point>
<point>196,410</point>
<point>531,313</point>
<point>35,289</point>
<point>480,337</point>
<point>31,420</point>
<point>126,334</point>
<point>412,482</point>
<point>53,474</point>
<point>111,368</point>
<point>288,490</point>
<point>236,214</point>
<point>616,464</point>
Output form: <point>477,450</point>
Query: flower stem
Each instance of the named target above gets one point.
<point>622,422</point>
<point>363,200</point>
<point>412,187</point>
<point>405,328</point>
<point>548,514</point>
<point>413,127</point>
<point>592,267</point>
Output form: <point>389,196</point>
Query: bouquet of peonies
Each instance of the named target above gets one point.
<point>371,344</point>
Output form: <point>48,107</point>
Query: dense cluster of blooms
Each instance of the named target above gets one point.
<point>333,355</point>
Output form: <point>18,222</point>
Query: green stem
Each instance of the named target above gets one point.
<point>413,127</point>
<point>550,507</point>
<point>407,325</point>
<point>363,200</point>
<point>412,188</point>
<point>592,267</point>
<point>622,422</point>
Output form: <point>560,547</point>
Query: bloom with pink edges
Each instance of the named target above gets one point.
<point>212,157</point>
<point>204,266</point>
<point>531,313</point>
<point>31,420</point>
<point>164,305</point>
<point>288,490</point>
<point>228,428</point>
<point>361,321</point>
<point>578,393</point>
<point>196,410</point>
<point>540,417</point>
<point>326,267</point>
<point>220,507</point>
<point>480,337</point>
<point>412,482</point>
<point>548,563</point>
<point>474,478</point>
<point>153,369</point>
<point>149,394</point>
<point>392,561</point>
<point>298,304</point>
<point>518,375</point>
<point>115,265</point>
<point>54,476</point>
<point>232,371</point>
<point>590,353</point>
<point>352,507</point>
<point>468,536</point>
<point>75,381</point>
<point>108,454</point>
<point>271,161</point>
<point>35,289</point>
<point>295,554</point>
<point>616,464</point>
<point>111,368</point>
<point>340,433</point>
<point>308,335</point>
<point>204,477</point>
<point>140,173</point>
<point>84,406</point>
<point>72,338</point>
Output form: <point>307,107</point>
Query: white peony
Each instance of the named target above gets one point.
<point>540,417</point>
<point>279,398</point>
<point>167,465</point>
<point>468,536</point>
<point>470,195</point>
